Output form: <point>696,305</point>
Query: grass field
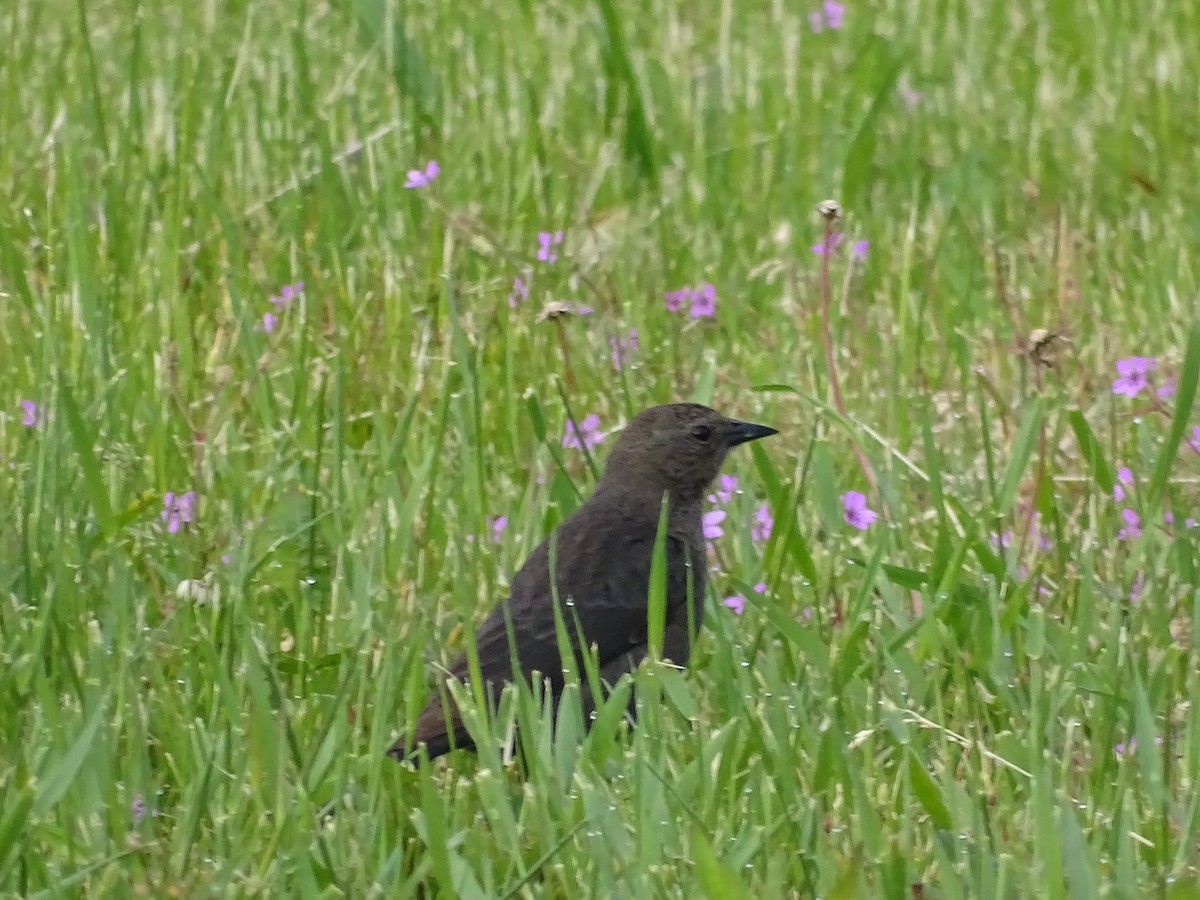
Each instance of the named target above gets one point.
<point>283,408</point>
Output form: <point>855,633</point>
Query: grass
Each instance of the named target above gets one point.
<point>906,711</point>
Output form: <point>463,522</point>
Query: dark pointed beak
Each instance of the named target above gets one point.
<point>741,432</point>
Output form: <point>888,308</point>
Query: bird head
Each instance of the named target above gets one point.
<point>678,448</point>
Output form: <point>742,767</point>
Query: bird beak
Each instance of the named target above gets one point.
<point>740,432</point>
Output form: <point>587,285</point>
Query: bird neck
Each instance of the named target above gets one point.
<point>640,487</point>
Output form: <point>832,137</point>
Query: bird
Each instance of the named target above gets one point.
<point>602,554</point>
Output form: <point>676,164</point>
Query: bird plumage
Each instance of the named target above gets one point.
<point>602,557</point>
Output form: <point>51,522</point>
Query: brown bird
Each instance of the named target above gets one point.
<point>603,555</point>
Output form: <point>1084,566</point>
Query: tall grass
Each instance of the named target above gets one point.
<point>984,693</point>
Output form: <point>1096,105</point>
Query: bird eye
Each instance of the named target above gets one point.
<point>701,432</point>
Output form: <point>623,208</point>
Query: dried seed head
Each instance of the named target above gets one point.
<point>556,309</point>
<point>1044,346</point>
<point>830,210</point>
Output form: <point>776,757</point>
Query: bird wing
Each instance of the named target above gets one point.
<point>604,587</point>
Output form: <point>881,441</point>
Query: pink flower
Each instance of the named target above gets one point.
<point>856,511</point>
<point>711,522</point>
<point>519,293</point>
<point>619,349</point>
<point>1124,476</point>
<point>547,241</point>
<point>496,525</point>
<point>1122,748</point>
<point>737,602</point>
<point>286,295</point>
<point>1194,440</point>
<point>1132,527</point>
<point>830,16</point>
<point>760,529</point>
<point>1137,587</point>
<point>418,178</point>
<point>724,493</point>
<point>1132,375</point>
<point>137,808</point>
<point>586,435</point>
<point>178,509</point>
<point>29,414</point>
<point>672,300</point>
<point>704,302</point>
<point>858,249</point>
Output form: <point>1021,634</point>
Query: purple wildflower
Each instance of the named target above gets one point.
<point>547,241</point>
<point>496,525</point>
<point>1194,440</point>
<point>1132,375</point>
<point>1129,747</point>
<point>737,602</point>
<point>584,436</point>
<point>1136,588</point>
<point>620,348</point>
<point>178,509</point>
<point>830,16</point>
<point>704,301</point>
<point>520,292</point>
<point>711,522</point>
<point>672,300</point>
<point>828,244</point>
<point>1166,390</point>
<point>1022,572</point>
<point>1002,540</point>
<point>1124,477</point>
<point>137,808</point>
<point>417,178</point>
<point>286,295</point>
<point>760,528</point>
<point>725,492</point>
<point>1132,527</point>
<point>858,249</point>
<point>29,413</point>
<point>856,511</point>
